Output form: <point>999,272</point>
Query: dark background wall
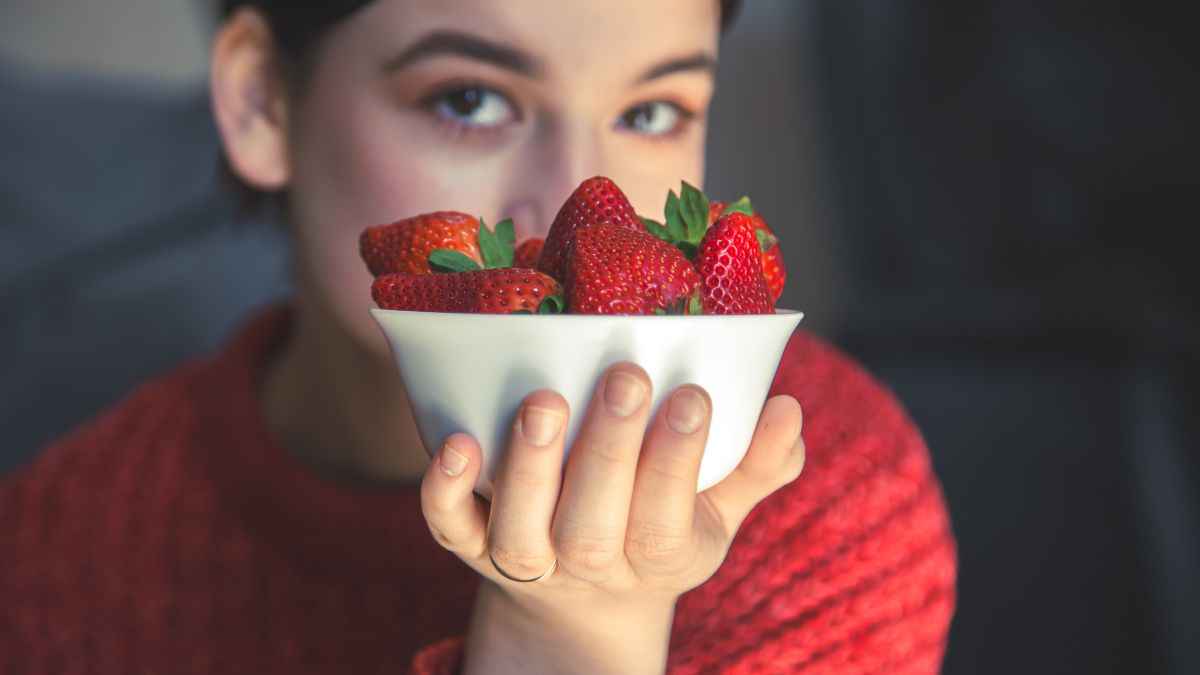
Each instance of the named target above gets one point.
<point>1015,186</point>
<point>987,203</point>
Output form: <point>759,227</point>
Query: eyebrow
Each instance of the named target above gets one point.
<point>702,61</point>
<point>466,45</point>
<point>455,43</point>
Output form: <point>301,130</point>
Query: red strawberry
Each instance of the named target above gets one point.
<point>596,200</point>
<point>772,258</point>
<point>772,255</point>
<point>404,246</point>
<point>730,264</point>
<point>611,269</point>
<point>528,252</point>
<point>492,291</point>
<point>714,211</point>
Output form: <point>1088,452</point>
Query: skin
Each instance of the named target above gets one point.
<point>396,118</point>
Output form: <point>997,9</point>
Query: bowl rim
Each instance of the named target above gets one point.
<point>779,313</point>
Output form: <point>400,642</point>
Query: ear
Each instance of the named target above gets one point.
<point>249,100</point>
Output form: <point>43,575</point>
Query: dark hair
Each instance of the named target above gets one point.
<point>298,27</point>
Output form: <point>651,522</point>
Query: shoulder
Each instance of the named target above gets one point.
<point>837,393</point>
<point>854,426</point>
<point>153,406</point>
<point>90,473</point>
<point>163,417</point>
<point>853,560</point>
<point>112,516</point>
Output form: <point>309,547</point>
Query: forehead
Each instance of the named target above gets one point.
<point>571,39</point>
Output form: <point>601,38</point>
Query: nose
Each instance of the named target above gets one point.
<point>557,159</point>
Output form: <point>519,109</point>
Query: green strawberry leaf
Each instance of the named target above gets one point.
<point>507,236</point>
<point>489,246</point>
<point>659,311</point>
<point>681,306</point>
<point>674,214</point>
<point>695,304</point>
<point>765,241</point>
<point>740,206</point>
<point>688,248</point>
<point>446,260</point>
<point>496,246</point>
<point>694,209</point>
<point>657,229</point>
<point>552,304</point>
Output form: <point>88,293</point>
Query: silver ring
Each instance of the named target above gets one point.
<point>506,575</point>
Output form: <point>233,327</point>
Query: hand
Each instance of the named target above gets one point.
<point>623,520</point>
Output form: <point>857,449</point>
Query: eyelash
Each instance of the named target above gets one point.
<point>686,117</point>
<point>454,129</point>
<point>457,130</point>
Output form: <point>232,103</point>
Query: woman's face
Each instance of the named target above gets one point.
<point>498,109</point>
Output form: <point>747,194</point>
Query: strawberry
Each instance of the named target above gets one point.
<point>715,209</point>
<point>612,269</point>
<point>730,263</point>
<point>772,258</point>
<point>405,245</point>
<point>508,290</point>
<point>596,200</point>
<point>495,248</point>
<point>528,252</point>
<point>772,255</point>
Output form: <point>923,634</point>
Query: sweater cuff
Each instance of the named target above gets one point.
<point>443,657</point>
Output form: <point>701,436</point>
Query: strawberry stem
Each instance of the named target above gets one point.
<point>552,304</point>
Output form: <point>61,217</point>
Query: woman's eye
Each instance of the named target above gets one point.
<point>657,118</point>
<point>474,107</point>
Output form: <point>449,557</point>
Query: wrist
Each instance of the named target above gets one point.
<point>510,635</point>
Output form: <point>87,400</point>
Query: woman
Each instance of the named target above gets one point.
<point>272,509</point>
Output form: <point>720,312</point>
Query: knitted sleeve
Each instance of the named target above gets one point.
<point>850,569</point>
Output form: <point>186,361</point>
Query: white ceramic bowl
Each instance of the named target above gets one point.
<point>469,372</point>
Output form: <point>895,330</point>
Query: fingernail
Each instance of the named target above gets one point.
<point>452,461</point>
<point>540,425</point>
<point>686,411</point>
<point>623,393</point>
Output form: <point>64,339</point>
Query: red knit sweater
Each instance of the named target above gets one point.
<point>173,535</point>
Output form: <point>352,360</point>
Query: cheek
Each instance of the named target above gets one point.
<point>350,169</point>
<point>359,161</point>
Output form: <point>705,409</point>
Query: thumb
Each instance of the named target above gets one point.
<point>775,458</point>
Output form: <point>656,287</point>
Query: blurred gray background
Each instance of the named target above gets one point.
<point>163,43</point>
<point>986,203</point>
